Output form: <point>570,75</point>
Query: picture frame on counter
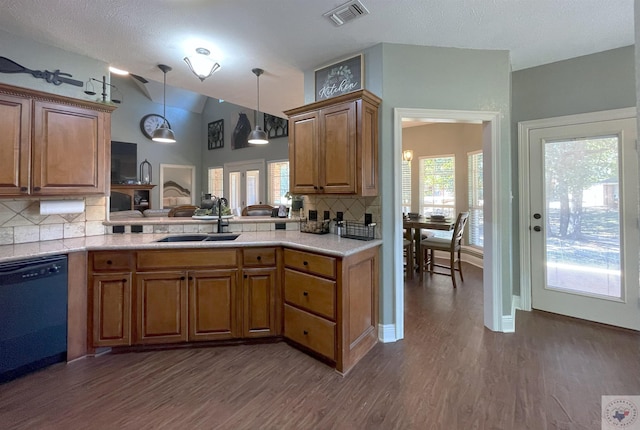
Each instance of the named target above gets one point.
<point>339,78</point>
<point>215,134</point>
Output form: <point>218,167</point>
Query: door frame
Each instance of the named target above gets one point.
<point>524,128</point>
<point>497,225</point>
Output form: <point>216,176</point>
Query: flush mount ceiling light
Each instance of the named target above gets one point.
<point>164,134</point>
<point>201,64</point>
<point>258,136</point>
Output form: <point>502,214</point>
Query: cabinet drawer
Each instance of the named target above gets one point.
<point>315,294</point>
<point>311,331</point>
<point>310,263</point>
<point>187,259</point>
<point>259,257</point>
<point>121,261</point>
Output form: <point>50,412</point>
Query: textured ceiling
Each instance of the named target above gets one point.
<point>285,37</point>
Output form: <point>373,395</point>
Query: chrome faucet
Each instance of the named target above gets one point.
<point>219,202</point>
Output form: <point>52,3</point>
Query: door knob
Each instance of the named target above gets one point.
<point>537,228</point>
<point>537,216</point>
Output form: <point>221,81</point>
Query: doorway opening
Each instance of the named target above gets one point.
<point>495,212</point>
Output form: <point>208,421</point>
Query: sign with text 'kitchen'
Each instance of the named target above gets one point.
<point>339,78</point>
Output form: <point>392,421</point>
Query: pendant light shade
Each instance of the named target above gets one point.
<point>164,134</point>
<point>201,64</point>
<point>258,136</point>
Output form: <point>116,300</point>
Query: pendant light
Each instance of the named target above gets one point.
<point>164,134</point>
<point>258,136</point>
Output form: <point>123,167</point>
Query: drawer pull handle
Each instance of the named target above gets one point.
<point>259,258</point>
<point>36,189</point>
<point>23,189</point>
<point>306,263</point>
<point>305,332</point>
<point>305,293</point>
<point>109,262</point>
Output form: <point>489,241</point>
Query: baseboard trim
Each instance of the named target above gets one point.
<point>387,333</point>
<point>509,321</point>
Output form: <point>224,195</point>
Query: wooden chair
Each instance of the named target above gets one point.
<point>257,210</point>
<point>407,245</point>
<point>452,246</point>
<point>182,211</point>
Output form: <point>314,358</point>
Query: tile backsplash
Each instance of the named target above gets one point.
<point>21,222</point>
<point>353,208</point>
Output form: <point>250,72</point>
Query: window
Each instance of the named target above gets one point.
<point>437,186</point>
<point>406,187</point>
<point>278,173</point>
<point>216,181</point>
<point>476,199</point>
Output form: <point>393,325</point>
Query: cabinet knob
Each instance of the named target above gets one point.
<point>36,188</point>
<point>305,293</point>
<point>182,278</point>
<point>305,332</point>
<point>124,280</point>
<point>191,278</point>
<point>109,262</point>
<point>322,188</point>
<point>306,263</point>
<point>315,188</point>
<point>23,189</point>
<point>245,276</point>
<point>259,258</point>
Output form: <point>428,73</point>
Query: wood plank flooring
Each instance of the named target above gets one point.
<point>448,373</point>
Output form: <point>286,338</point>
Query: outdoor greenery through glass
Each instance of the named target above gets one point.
<point>437,186</point>
<point>583,216</point>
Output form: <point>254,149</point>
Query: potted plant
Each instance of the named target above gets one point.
<point>296,200</point>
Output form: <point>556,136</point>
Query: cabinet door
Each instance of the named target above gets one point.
<point>337,155</point>
<point>303,153</point>
<point>15,143</point>
<point>259,298</point>
<point>161,307</point>
<point>111,316</point>
<point>213,305</point>
<point>69,150</point>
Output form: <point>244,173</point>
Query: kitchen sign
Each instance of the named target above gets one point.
<point>339,78</point>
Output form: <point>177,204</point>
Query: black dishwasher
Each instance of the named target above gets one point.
<point>33,315</point>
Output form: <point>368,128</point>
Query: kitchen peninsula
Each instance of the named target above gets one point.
<point>317,292</point>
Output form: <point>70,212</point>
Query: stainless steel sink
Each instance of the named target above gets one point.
<point>199,237</point>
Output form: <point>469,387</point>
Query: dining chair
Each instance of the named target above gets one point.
<point>407,246</point>
<point>452,246</point>
<point>257,210</point>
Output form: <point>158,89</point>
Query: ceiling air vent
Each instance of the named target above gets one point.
<point>347,12</point>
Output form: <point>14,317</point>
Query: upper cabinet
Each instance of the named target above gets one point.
<point>333,145</point>
<point>52,145</point>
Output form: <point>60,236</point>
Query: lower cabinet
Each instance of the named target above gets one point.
<point>111,309</point>
<point>213,305</point>
<point>161,311</point>
<point>324,304</point>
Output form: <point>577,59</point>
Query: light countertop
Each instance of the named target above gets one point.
<point>330,244</point>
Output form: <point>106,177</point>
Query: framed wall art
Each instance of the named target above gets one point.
<point>242,122</point>
<point>177,185</point>
<point>339,78</point>
<point>215,134</point>
<point>275,126</point>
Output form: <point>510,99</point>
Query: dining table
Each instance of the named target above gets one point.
<point>414,227</point>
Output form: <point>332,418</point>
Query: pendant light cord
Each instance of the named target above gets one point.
<point>164,100</point>
<point>255,116</point>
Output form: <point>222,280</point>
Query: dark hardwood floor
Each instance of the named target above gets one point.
<point>448,373</point>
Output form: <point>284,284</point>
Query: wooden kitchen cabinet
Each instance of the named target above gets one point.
<point>331,304</point>
<point>54,145</point>
<point>260,299</point>
<point>110,281</point>
<point>213,305</point>
<point>333,145</point>
<point>161,311</point>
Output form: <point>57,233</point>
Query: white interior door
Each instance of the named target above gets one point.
<point>583,218</point>
<point>246,184</point>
